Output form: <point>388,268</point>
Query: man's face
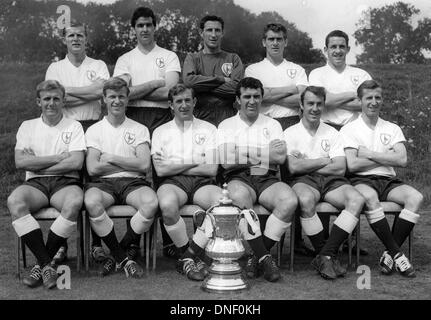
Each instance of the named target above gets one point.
<point>250,100</point>
<point>183,105</point>
<point>212,34</point>
<point>274,43</point>
<point>144,30</point>
<point>336,51</point>
<point>312,107</point>
<point>372,102</point>
<point>75,40</point>
<point>116,101</point>
<point>51,102</point>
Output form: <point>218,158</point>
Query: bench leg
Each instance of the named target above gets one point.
<point>86,223</point>
<point>154,242</point>
<point>411,246</point>
<point>18,253</point>
<point>78,242</point>
<point>24,255</point>
<point>358,239</point>
<point>292,244</point>
<point>349,251</point>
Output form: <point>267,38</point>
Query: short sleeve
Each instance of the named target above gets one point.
<point>287,134</point>
<point>22,137</point>
<point>314,79</point>
<point>276,131</point>
<point>103,71</point>
<point>398,135</point>
<point>92,139</point>
<point>143,135</point>
<point>337,148</point>
<point>302,78</point>
<point>173,64</point>
<point>156,141</point>
<point>51,73</point>
<point>225,135</point>
<point>77,142</point>
<point>121,67</point>
<point>348,139</point>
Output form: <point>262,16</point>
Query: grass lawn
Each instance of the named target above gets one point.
<point>166,284</point>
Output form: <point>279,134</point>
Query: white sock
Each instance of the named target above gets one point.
<point>275,228</point>
<point>25,225</point>
<point>102,225</point>
<point>346,221</point>
<point>140,224</point>
<point>408,215</point>
<point>63,227</point>
<point>375,215</point>
<point>311,226</point>
<point>178,233</point>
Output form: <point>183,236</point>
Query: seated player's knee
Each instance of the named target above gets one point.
<point>72,207</point>
<point>307,204</point>
<point>355,202</point>
<point>287,207</point>
<point>371,200</point>
<point>93,205</point>
<point>149,206</point>
<point>16,206</point>
<point>240,196</point>
<point>170,211</point>
<point>414,200</point>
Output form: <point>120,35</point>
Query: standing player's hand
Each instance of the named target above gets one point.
<point>29,151</point>
<point>298,154</point>
<point>63,155</point>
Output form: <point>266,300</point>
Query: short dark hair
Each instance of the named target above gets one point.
<point>249,82</point>
<point>49,85</point>
<point>367,84</point>
<point>75,24</point>
<point>116,84</point>
<point>317,91</point>
<point>275,27</point>
<point>178,89</point>
<point>337,33</point>
<point>143,12</point>
<point>210,18</point>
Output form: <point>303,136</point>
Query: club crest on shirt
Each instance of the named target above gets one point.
<point>91,75</point>
<point>200,139</point>
<point>355,80</point>
<point>326,146</point>
<point>385,138</point>
<point>66,137</point>
<point>160,62</point>
<point>291,73</point>
<point>266,133</point>
<point>226,68</point>
<point>129,137</point>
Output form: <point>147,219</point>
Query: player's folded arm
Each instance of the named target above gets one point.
<point>300,166</point>
<point>140,163</point>
<point>72,163</point>
<point>336,100</point>
<point>28,161</point>
<point>357,164</point>
<point>161,94</point>
<point>337,167</point>
<point>88,93</point>
<point>97,168</point>
<point>141,90</point>
<point>397,157</point>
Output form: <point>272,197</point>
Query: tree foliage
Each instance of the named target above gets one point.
<point>28,29</point>
<point>388,35</point>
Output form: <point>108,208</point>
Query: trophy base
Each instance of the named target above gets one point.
<point>225,278</point>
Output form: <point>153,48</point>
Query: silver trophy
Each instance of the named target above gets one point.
<point>225,247</point>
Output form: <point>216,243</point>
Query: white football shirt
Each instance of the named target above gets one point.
<point>147,67</point>
<point>121,141</point>
<point>66,136</point>
<point>334,82</point>
<point>326,143</point>
<point>196,144</point>
<point>382,139</point>
<point>285,74</point>
<point>70,76</point>
<point>257,135</point>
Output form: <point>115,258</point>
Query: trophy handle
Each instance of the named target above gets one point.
<point>251,222</point>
